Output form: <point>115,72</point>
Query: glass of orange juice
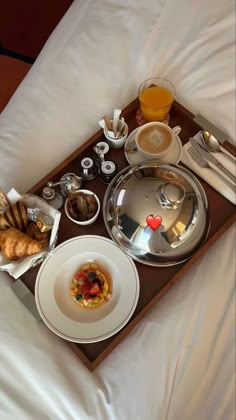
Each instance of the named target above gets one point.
<point>156,95</point>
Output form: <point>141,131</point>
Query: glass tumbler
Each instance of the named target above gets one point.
<point>156,96</point>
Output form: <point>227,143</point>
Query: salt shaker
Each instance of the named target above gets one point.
<point>53,198</point>
<point>88,169</point>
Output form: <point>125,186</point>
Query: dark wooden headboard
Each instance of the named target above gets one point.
<point>25,25</point>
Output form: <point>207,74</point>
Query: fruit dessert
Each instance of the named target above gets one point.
<point>91,285</point>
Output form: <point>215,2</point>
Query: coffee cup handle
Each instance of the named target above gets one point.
<point>176,130</point>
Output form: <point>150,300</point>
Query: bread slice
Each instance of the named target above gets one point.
<point>15,216</point>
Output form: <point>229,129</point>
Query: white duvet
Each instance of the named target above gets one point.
<point>179,362</point>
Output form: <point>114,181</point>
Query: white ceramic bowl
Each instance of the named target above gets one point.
<point>119,142</point>
<point>84,222</point>
<point>154,134</point>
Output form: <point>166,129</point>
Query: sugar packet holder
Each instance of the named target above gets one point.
<point>19,267</point>
<point>115,127</point>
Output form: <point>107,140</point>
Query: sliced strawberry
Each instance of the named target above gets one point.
<point>94,289</point>
<point>79,274</point>
<point>86,286</point>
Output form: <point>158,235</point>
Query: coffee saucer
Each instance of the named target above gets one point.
<point>133,156</point>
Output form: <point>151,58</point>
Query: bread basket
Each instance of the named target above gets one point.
<point>20,266</point>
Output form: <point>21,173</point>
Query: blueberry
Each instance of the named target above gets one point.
<point>92,275</point>
<point>92,296</point>
<point>78,297</point>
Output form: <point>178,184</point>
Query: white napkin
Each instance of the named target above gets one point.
<point>209,175</point>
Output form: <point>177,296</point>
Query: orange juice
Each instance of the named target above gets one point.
<point>155,103</point>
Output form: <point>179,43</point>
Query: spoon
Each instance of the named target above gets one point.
<point>213,144</point>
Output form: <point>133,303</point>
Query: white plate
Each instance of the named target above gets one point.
<point>52,290</point>
<point>133,156</point>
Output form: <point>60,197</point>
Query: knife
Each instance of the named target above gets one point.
<point>211,159</point>
<point>211,128</point>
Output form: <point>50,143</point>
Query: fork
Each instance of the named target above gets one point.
<point>201,161</point>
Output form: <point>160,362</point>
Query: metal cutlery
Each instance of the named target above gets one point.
<point>211,128</point>
<point>211,144</point>
<point>202,162</point>
<point>212,161</point>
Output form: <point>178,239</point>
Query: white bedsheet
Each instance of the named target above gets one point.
<point>179,362</point>
<point>95,61</point>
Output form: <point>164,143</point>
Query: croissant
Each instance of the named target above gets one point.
<point>15,216</point>
<point>33,231</point>
<point>15,244</point>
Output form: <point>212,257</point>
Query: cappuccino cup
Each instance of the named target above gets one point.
<point>154,140</point>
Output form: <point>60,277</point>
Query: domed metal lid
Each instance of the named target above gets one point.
<point>157,213</point>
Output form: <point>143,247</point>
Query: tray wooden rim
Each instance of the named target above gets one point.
<point>91,365</point>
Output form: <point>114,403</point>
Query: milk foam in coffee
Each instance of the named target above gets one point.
<point>154,140</point>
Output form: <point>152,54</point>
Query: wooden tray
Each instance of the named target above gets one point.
<point>155,282</point>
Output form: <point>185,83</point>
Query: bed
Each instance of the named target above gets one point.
<point>179,362</point>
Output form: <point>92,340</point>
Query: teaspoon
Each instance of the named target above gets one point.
<point>213,144</point>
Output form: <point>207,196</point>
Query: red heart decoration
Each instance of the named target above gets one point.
<point>153,221</point>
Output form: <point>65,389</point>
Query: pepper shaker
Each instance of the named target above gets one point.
<point>108,170</point>
<point>101,150</point>
<point>69,183</point>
